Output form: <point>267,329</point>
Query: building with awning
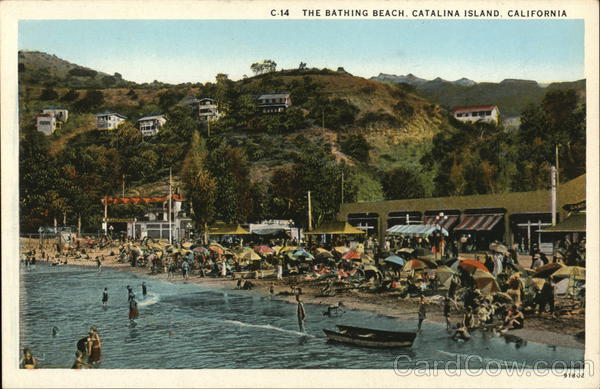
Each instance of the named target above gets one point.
<point>335,228</point>
<point>573,223</point>
<point>227,229</point>
<point>415,230</point>
<point>511,217</point>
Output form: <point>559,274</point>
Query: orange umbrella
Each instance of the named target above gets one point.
<point>416,264</point>
<point>352,254</point>
<point>470,264</point>
<point>263,250</point>
<point>217,249</point>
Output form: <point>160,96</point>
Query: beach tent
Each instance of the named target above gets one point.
<point>227,229</point>
<point>415,230</point>
<point>335,228</point>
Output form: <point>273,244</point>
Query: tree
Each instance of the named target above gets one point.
<point>356,146</point>
<point>402,183</point>
<point>70,95</point>
<point>198,183</point>
<point>48,94</point>
<point>302,66</point>
<point>92,99</point>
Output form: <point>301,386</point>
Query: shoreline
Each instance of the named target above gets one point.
<point>537,329</point>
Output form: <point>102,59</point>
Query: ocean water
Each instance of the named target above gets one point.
<point>195,327</point>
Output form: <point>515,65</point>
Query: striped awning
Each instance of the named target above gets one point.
<point>414,229</point>
<point>479,222</point>
<point>430,221</point>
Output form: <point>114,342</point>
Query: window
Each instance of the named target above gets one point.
<point>488,113</point>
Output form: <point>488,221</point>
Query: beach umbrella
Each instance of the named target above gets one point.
<point>485,282</point>
<point>300,253</point>
<point>201,250</point>
<point>186,245</point>
<point>263,250</point>
<point>371,269</point>
<point>352,254</point>
<point>498,248</point>
<point>276,249</point>
<point>216,248</point>
<point>538,282</point>
<point>417,264</point>
<point>575,272</point>
<point>322,253</point>
<point>341,249</point>
<point>470,264</point>
<point>285,249</point>
<point>396,260</point>
<point>444,275</point>
<point>547,270</point>
<point>407,250</point>
<point>250,255</point>
<point>503,297</point>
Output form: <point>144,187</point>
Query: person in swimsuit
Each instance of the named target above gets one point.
<point>130,294</point>
<point>447,312</point>
<point>28,361</point>
<point>514,319</point>
<point>99,263</point>
<point>301,313</point>
<point>94,347</point>
<point>144,289</point>
<point>105,298</point>
<point>79,363</point>
<point>422,312</point>
<point>133,311</point>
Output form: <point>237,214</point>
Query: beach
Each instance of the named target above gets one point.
<point>564,331</point>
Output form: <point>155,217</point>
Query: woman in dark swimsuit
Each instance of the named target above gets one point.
<point>94,347</point>
<point>28,361</point>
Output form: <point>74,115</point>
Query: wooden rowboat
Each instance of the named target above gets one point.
<point>368,337</point>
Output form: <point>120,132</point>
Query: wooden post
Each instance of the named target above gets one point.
<point>79,225</point>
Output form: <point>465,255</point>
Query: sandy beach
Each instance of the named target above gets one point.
<point>562,331</point>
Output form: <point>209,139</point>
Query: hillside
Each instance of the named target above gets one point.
<point>511,95</point>
<point>396,125</point>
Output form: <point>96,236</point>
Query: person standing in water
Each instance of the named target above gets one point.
<point>301,313</point>
<point>422,312</point>
<point>105,298</point>
<point>144,289</point>
<point>130,294</point>
<point>99,263</point>
<point>133,311</point>
<point>94,347</point>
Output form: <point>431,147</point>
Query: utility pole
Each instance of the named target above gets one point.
<point>342,187</point>
<point>309,213</point>
<point>553,193</point>
<point>106,215</point>
<point>170,205</point>
<point>557,171</point>
<point>123,192</point>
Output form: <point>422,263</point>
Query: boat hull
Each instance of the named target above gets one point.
<point>365,337</point>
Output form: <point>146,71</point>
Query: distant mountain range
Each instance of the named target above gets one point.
<point>510,95</point>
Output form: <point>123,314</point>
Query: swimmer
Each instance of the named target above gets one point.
<point>105,298</point>
<point>55,331</point>
<point>334,309</point>
<point>144,289</point>
<point>79,363</point>
<point>28,361</point>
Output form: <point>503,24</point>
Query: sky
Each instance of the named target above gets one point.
<point>177,51</point>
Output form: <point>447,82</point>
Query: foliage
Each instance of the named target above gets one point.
<point>93,99</point>
<point>48,94</point>
<point>266,66</point>
<point>356,146</point>
<point>402,183</point>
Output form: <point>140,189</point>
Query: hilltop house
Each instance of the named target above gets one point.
<point>46,124</point>
<point>208,109</point>
<point>150,125</point>
<point>274,102</point>
<point>477,113</point>
<point>109,120</point>
<point>59,114</point>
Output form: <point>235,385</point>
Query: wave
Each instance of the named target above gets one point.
<point>267,327</point>
<point>150,301</point>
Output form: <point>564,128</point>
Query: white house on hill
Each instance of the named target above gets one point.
<point>208,109</point>
<point>59,114</point>
<point>477,113</point>
<point>150,125</point>
<point>274,102</point>
<point>46,124</point>
<point>109,120</point>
